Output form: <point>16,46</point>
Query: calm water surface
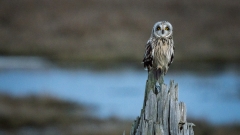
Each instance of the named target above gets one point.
<point>212,96</point>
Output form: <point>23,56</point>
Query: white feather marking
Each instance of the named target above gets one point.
<point>153,52</point>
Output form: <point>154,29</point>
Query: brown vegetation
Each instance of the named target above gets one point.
<point>44,115</point>
<point>49,115</point>
<point>117,30</point>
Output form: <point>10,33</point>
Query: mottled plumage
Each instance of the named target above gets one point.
<point>159,51</point>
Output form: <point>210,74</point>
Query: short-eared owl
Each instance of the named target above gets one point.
<point>159,51</point>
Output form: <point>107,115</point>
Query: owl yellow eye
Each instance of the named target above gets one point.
<point>166,28</point>
<point>158,28</point>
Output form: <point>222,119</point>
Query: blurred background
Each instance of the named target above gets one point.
<point>74,67</point>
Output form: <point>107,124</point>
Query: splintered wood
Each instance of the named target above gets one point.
<point>162,114</point>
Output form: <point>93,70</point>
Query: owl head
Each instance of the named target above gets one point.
<point>162,29</point>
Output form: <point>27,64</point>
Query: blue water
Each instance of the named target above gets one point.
<point>213,97</point>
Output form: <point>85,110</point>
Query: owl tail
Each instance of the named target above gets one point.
<point>157,73</point>
<point>159,76</point>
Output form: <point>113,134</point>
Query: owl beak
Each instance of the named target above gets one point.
<point>162,31</point>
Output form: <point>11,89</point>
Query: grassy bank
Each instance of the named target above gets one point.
<point>76,31</point>
<point>44,115</point>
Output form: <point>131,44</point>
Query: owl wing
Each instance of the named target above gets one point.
<point>172,57</point>
<point>148,57</point>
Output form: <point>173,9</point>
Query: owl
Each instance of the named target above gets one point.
<point>159,50</point>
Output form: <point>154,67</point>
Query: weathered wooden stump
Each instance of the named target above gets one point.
<point>162,114</point>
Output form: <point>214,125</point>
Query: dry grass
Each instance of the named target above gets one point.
<point>203,127</point>
<point>117,30</point>
<point>44,115</point>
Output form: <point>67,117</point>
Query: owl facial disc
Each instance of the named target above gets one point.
<point>162,29</point>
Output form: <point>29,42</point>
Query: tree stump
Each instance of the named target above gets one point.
<point>162,114</point>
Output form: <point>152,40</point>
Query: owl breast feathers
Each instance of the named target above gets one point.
<point>159,50</point>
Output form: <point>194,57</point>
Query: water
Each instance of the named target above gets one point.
<point>211,96</point>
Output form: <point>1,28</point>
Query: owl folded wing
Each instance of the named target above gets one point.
<point>172,57</point>
<point>148,57</point>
